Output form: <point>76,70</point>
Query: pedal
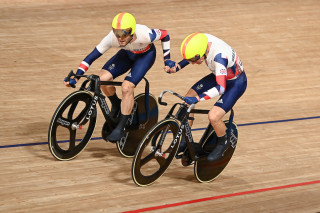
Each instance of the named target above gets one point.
<point>186,161</point>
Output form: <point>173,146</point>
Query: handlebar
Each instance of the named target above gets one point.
<point>69,76</point>
<point>91,78</point>
<point>175,94</point>
<point>71,73</point>
<point>164,92</point>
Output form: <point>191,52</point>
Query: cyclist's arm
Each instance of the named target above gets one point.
<point>181,64</point>
<point>163,35</point>
<point>215,91</point>
<point>85,64</point>
<point>221,79</point>
<point>100,49</point>
<point>178,66</point>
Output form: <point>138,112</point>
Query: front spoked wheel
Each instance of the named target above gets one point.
<point>155,152</point>
<point>66,137</point>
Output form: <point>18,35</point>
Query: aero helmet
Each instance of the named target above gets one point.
<point>194,46</point>
<point>124,24</point>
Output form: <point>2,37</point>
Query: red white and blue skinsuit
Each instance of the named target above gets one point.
<point>227,77</point>
<point>138,55</point>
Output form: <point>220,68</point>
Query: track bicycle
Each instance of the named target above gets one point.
<point>159,146</point>
<point>73,122</point>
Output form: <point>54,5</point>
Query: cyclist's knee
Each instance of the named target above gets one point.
<point>191,93</point>
<point>214,120</point>
<point>215,115</point>
<point>105,75</point>
<point>127,88</point>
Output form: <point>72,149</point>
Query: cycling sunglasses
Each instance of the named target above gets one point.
<point>122,33</point>
<point>194,59</point>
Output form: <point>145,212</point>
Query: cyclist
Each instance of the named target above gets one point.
<point>227,78</point>
<point>137,52</point>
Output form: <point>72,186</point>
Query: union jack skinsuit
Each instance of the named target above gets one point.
<point>227,77</point>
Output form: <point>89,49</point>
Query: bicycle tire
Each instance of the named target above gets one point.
<point>206,171</point>
<point>63,119</point>
<point>158,157</point>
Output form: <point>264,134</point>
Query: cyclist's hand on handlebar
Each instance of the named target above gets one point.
<point>191,100</point>
<point>70,83</point>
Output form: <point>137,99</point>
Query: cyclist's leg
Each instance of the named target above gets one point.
<point>115,67</point>
<point>204,84</point>
<point>215,117</point>
<point>105,75</point>
<point>141,64</point>
<point>110,92</point>
<point>127,97</point>
<point>199,87</point>
<point>235,90</point>
<point>126,108</point>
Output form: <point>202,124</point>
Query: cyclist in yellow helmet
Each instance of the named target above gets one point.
<point>137,53</point>
<point>227,80</point>
<point>124,27</point>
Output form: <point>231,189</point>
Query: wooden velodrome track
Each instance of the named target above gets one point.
<point>276,166</point>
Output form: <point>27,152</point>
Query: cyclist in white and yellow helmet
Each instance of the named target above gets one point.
<point>194,47</point>
<point>124,26</point>
<point>227,80</point>
<point>137,53</point>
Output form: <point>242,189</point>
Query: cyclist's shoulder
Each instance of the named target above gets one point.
<point>143,33</point>
<point>142,28</point>
<point>219,47</point>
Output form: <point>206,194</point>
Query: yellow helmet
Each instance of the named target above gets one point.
<point>125,23</point>
<point>194,46</point>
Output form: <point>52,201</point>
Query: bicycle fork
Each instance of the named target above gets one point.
<point>90,112</point>
<point>157,147</point>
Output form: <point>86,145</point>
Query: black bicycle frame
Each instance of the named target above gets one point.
<point>192,146</point>
<point>185,127</point>
<point>99,98</point>
<point>186,130</point>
